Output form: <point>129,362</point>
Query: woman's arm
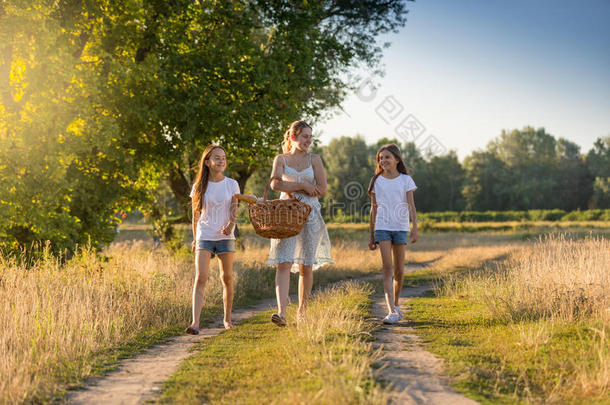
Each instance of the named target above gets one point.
<point>412,216</point>
<point>319,174</point>
<point>278,184</point>
<point>373,215</point>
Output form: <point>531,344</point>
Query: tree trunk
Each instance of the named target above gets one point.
<point>182,190</point>
<point>242,177</point>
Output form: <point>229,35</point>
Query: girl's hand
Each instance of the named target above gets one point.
<point>310,189</point>
<point>226,230</point>
<point>193,246</point>
<point>414,235</point>
<point>372,244</point>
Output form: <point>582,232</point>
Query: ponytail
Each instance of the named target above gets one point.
<point>295,129</point>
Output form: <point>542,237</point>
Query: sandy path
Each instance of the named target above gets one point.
<point>139,379</point>
<point>415,375</point>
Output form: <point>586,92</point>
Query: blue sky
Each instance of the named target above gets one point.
<point>465,70</point>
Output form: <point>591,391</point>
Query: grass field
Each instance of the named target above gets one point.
<point>291,365</point>
<point>68,321</point>
<point>65,322</point>
<point>531,328</point>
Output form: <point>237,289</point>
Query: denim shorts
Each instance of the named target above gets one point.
<point>217,247</point>
<point>397,237</point>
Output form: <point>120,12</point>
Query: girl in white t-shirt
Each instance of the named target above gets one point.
<point>392,204</point>
<point>214,214</point>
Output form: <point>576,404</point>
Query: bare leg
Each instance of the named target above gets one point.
<point>399,270</point>
<point>305,284</point>
<point>282,284</point>
<point>202,269</point>
<point>388,273</point>
<point>226,270</point>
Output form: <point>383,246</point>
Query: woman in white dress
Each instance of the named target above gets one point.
<point>298,173</point>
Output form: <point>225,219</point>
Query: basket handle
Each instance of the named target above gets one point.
<point>267,188</point>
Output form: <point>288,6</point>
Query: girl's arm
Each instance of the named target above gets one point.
<point>319,174</point>
<point>373,215</point>
<point>226,230</point>
<point>412,216</point>
<point>195,220</point>
<point>278,184</point>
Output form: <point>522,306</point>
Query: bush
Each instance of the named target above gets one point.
<point>546,215</point>
<point>522,216</point>
<point>588,215</point>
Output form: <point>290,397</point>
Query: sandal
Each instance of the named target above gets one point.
<point>278,320</point>
<point>192,331</point>
<point>229,325</point>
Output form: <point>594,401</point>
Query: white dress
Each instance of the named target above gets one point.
<point>312,245</point>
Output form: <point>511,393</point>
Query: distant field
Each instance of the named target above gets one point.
<point>359,231</point>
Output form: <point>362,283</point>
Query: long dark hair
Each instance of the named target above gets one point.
<point>401,166</point>
<point>201,181</point>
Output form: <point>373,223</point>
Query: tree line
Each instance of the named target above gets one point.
<point>526,169</point>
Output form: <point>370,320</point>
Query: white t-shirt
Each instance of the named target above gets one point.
<point>392,206</point>
<point>216,209</point>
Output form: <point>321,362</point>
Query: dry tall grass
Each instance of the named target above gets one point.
<point>336,336</point>
<point>57,317</point>
<point>556,277</point>
<point>542,291</point>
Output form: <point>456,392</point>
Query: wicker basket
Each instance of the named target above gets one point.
<point>278,219</point>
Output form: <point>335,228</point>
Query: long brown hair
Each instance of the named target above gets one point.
<point>295,129</point>
<point>401,166</point>
<point>203,176</point>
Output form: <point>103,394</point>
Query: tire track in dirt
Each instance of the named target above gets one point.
<point>415,375</point>
<point>139,379</point>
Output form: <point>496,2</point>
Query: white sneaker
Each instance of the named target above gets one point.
<point>398,311</point>
<point>391,318</point>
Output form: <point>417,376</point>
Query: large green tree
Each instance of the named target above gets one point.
<point>598,164</point>
<point>64,169</point>
<point>440,181</point>
<point>573,186</point>
<point>101,100</point>
<point>265,64</point>
<point>484,187</point>
<point>349,171</point>
<point>526,169</point>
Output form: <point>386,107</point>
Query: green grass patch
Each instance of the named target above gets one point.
<point>499,362</point>
<point>324,360</point>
